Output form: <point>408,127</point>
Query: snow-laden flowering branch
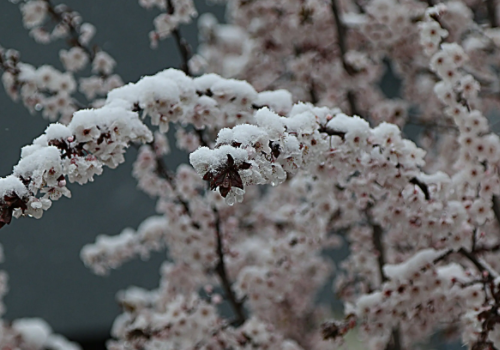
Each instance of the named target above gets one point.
<point>378,166</point>
<point>99,137</point>
<point>309,137</point>
<point>73,153</point>
<point>358,163</point>
<point>420,225</point>
<point>367,165</point>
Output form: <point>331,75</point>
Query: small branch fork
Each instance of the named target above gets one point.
<point>489,316</point>
<point>220,268</point>
<point>161,169</point>
<point>75,37</point>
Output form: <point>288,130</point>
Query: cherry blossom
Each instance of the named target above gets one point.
<point>295,150</point>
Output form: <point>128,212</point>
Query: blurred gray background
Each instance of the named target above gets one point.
<point>47,278</point>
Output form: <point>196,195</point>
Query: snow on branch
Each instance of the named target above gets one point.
<point>98,137</point>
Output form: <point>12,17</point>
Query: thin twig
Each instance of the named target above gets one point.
<point>377,242</point>
<point>342,45</point>
<point>496,207</point>
<point>220,268</point>
<point>395,341</point>
<point>201,137</point>
<point>442,257</point>
<point>487,249</point>
<point>477,263</point>
<point>236,304</point>
<point>341,36</point>
<point>474,241</point>
<point>182,45</point>
<point>377,233</point>
<point>492,13</point>
<point>313,93</point>
<point>75,37</point>
<point>162,171</point>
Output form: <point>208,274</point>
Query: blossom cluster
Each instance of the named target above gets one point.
<point>174,13</point>
<point>46,88</point>
<point>75,153</point>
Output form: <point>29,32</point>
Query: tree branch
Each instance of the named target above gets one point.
<point>182,45</point>
<point>496,207</point>
<point>341,36</point>
<point>395,341</point>
<point>342,45</point>
<point>162,171</point>
<point>75,37</point>
<point>477,263</point>
<point>492,13</point>
<point>220,268</point>
<point>377,243</point>
<point>487,249</point>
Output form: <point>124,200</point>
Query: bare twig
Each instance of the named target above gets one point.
<point>313,93</point>
<point>487,249</point>
<point>201,137</point>
<point>182,44</point>
<point>477,263</point>
<point>162,171</point>
<point>377,242</point>
<point>442,257</point>
<point>492,13</point>
<point>341,36</point>
<point>496,207</point>
<point>474,241</point>
<point>220,269</point>
<point>341,43</point>
<point>395,341</point>
<point>75,36</point>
